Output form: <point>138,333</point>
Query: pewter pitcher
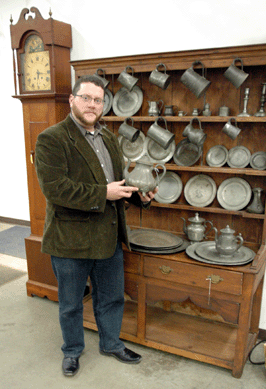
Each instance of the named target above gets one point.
<point>142,175</point>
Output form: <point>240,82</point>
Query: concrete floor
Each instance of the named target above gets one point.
<point>30,355</point>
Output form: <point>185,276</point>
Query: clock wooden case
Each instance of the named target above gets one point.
<point>42,78</point>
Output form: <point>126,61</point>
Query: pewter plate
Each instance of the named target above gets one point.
<point>157,153</point>
<point>132,150</point>
<point>258,160</point>
<point>238,157</point>
<point>217,156</point>
<point>186,153</point>
<point>154,239</point>
<point>126,103</point>
<point>200,190</point>
<point>169,188</point>
<point>248,257</point>
<point>178,249</point>
<point>108,101</point>
<point>234,194</point>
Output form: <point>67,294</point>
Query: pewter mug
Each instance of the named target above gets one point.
<point>230,130</point>
<point>160,135</point>
<point>227,244</point>
<point>142,175</point>
<point>155,107</point>
<point>158,78</point>
<point>102,78</point>
<point>169,110</point>
<point>195,135</point>
<point>129,132</point>
<point>182,113</point>
<point>126,79</point>
<point>194,82</point>
<point>235,75</point>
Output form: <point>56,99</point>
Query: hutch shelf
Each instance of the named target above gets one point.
<point>173,303</point>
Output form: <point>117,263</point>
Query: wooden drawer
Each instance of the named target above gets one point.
<point>193,275</point>
<point>132,262</point>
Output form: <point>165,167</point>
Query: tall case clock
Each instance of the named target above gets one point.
<point>42,78</point>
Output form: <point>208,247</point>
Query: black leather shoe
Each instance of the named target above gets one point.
<point>125,356</point>
<point>70,366</point>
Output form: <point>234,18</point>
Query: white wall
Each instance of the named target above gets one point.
<point>110,28</point>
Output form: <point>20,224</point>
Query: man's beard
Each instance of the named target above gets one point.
<point>80,116</point>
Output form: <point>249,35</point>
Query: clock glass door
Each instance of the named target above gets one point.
<point>36,75</point>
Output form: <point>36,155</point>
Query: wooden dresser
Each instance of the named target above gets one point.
<point>173,303</point>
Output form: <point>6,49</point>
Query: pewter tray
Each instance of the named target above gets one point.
<point>166,251</point>
<point>208,250</point>
<point>245,256</point>
<point>154,239</point>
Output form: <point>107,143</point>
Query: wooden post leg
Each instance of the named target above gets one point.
<point>243,326</point>
<point>141,310</point>
<point>255,317</point>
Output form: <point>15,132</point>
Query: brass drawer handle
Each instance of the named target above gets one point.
<point>165,269</point>
<point>215,279</point>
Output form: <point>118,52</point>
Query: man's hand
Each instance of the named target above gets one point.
<point>148,196</point>
<point>116,190</point>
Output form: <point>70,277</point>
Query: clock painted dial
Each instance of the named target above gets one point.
<point>35,65</point>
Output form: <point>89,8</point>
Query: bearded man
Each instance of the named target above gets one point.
<point>79,166</point>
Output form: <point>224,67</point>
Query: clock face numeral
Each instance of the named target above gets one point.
<point>35,66</point>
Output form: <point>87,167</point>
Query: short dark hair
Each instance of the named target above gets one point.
<point>86,79</point>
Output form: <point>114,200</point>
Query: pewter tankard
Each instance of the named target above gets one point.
<point>194,82</point>
<point>235,75</point>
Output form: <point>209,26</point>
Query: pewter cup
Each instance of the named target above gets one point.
<point>231,130</point>
<point>129,132</point>
<point>102,78</point>
<point>158,78</point>
<point>235,75</point>
<point>194,82</point>
<point>126,79</point>
<point>160,135</point>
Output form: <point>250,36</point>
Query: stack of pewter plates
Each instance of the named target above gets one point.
<point>206,252</point>
<point>156,241</point>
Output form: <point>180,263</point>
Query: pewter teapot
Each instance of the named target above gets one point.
<point>227,244</point>
<point>142,175</point>
<point>196,230</point>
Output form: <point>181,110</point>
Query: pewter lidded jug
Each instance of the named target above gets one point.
<point>142,175</point>
<point>155,107</point>
<point>196,230</point>
<point>227,243</point>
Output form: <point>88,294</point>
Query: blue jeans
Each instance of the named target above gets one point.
<point>107,280</point>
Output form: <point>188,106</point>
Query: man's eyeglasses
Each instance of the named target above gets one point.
<point>88,99</point>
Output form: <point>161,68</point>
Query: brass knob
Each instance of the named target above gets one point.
<point>165,269</point>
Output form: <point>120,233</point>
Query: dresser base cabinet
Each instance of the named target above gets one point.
<point>181,313</point>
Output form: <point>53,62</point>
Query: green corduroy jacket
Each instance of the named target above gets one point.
<point>80,222</point>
